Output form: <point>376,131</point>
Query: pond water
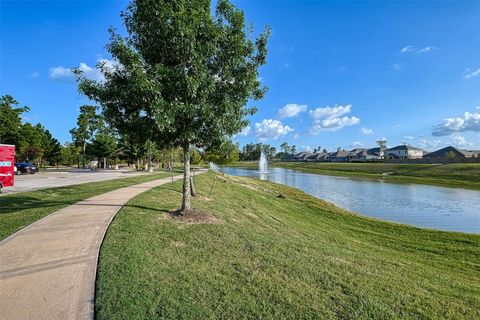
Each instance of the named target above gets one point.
<point>451,209</point>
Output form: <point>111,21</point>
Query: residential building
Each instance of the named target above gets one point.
<point>452,152</point>
<point>404,152</point>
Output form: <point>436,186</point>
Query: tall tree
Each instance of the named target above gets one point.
<point>285,147</point>
<point>87,123</point>
<point>183,75</point>
<point>10,120</point>
<point>104,143</point>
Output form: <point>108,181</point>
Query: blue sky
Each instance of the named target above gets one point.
<point>339,73</point>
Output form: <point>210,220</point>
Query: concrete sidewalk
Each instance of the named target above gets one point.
<point>48,269</point>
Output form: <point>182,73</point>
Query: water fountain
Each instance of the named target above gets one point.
<point>213,166</point>
<point>262,164</point>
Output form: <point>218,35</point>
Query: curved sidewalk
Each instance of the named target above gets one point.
<point>48,269</point>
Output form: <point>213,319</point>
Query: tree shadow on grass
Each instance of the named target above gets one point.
<point>15,203</point>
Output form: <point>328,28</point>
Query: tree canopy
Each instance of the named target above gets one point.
<point>10,120</point>
<point>182,76</point>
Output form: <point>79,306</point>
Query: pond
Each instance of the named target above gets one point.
<point>451,209</point>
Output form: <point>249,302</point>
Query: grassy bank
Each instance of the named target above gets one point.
<point>19,210</point>
<point>460,175</point>
<point>272,252</point>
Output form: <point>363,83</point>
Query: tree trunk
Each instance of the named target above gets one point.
<point>83,156</point>
<point>186,199</point>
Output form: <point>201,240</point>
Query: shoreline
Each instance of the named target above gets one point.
<point>398,179</point>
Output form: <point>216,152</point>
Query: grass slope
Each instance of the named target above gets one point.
<point>271,257</point>
<point>460,175</point>
<point>21,209</point>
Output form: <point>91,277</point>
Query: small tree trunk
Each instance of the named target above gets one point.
<point>186,199</point>
<point>83,157</point>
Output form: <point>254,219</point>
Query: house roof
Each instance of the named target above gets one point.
<point>318,156</point>
<point>341,154</point>
<point>303,154</point>
<point>402,147</point>
<point>444,151</point>
<point>374,151</point>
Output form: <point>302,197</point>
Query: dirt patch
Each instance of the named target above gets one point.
<point>193,216</point>
<point>178,244</point>
<point>203,198</point>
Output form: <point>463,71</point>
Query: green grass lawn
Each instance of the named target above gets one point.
<point>19,210</point>
<point>462,175</point>
<point>267,256</point>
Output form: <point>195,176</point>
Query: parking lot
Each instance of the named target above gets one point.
<point>52,179</point>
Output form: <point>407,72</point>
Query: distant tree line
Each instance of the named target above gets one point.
<point>92,139</point>
<point>33,143</point>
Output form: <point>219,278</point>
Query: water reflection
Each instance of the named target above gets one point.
<point>425,206</point>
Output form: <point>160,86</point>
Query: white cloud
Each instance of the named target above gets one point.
<point>429,144</point>
<point>408,137</point>
<point>61,73</point>
<point>245,131</point>
<point>270,129</point>
<point>306,148</point>
<point>407,49</point>
<point>330,119</point>
<point>427,49</point>
<point>296,136</point>
<point>291,110</point>
<point>366,131</point>
<point>460,141</point>
<point>468,122</point>
<point>357,144</point>
<point>469,73</point>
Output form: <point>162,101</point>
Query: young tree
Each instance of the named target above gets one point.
<point>104,145</point>
<point>87,123</point>
<point>225,154</point>
<point>150,149</point>
<point>196,157</point>
<point>182,77</point>
<point>68,154</point>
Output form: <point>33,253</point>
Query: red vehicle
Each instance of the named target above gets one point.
<point>7,165</point>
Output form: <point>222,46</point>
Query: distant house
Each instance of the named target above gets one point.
<point>318,157</point>
<point>375,154</point>
<point>404,152</point>
<point>301,156</point>
<point>452,152</point>
<point>340,156</point>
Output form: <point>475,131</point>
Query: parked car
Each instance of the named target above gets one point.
<point>25,167</point>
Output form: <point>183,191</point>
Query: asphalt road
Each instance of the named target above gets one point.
<point>52,179</point>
